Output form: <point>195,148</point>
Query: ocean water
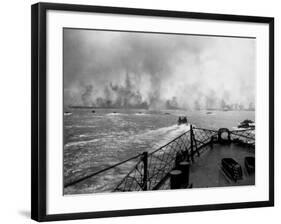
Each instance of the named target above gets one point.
<point>94,141</point>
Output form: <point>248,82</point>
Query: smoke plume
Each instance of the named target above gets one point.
<point>157,71</point>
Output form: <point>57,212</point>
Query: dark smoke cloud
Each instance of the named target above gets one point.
<point>157,71</point>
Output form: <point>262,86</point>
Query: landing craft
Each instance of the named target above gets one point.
<point>67,113</point>
<point>246,124</point>
<point>182,120</point>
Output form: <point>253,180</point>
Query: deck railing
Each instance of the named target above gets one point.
<point>151,169</point>
<point>244,137</point>
<point>154,168</point>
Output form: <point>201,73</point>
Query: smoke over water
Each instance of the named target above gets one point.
<point>158,71</point>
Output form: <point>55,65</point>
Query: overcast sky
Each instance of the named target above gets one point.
<point>125,68</point>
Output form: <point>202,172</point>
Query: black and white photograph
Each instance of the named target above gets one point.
<point>146,111</point>
<point>139,111</point>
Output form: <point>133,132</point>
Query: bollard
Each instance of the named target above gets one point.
<point>184,167</point>
<point>144,159</point>
<point>175,179</point>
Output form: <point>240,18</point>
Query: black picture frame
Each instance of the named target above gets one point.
<point>39,108</point>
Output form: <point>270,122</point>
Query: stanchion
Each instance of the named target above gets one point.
<point>175,179</point>
<point>184,167</point>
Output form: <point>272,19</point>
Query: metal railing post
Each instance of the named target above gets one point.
<point>191,143</point>
<point>145,172</point>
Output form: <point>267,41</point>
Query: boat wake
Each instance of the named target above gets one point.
<point>113,114</point>
<point>161,136</point>
<point>141,114</point>
<point>80,143</point>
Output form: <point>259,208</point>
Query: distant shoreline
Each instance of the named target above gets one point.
<point>91,107</point>
<point>143,108</point>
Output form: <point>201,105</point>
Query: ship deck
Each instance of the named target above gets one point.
<point>202,150</point>
<point>206,170</point>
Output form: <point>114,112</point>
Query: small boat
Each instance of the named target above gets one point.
<point>231,168</point>
<point>139,113</point>
<point>93,111</point>
<point>182,120</point>
<point>67,113</point>
<point>247,124</point>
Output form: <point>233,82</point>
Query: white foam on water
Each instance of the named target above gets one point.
<point>162,136</point>
<point>80,143</point>
<point>172,134</point>
<point>141,114</point>
<point>113,114</point>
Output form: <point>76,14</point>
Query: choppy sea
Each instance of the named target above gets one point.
<point>94,141</point>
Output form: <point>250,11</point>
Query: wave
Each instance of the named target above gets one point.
<point>140,114</point>
<point>113,114</point>
<point>162,136</point>
<point>171,129</point>
<point>80,143</point>
<point>155,138</point>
